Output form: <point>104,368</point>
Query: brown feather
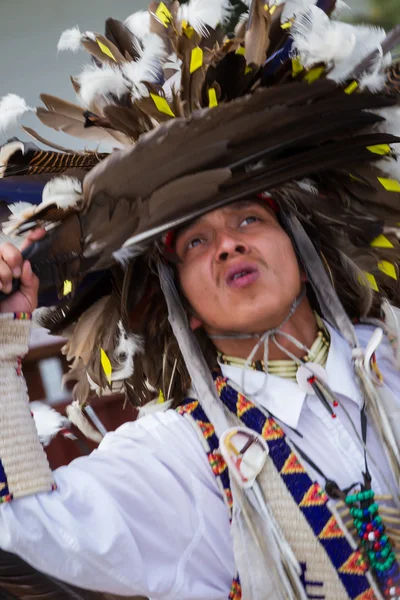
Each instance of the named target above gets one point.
<point>38,138</point>
<point>62,107</point>
<point>75,85</point>
<point>147,106</point>
<point>87,332</point>
<point>393,79</point>
<point>168,34</point>
<point>191,83</point>
<point>257,34</point>
<point>122,38</point>
<point>94,49</point>
<point>130,121</point>
<point>277,35</point>
<point>76,127</point>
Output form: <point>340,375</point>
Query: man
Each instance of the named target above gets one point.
<point>280,478</point>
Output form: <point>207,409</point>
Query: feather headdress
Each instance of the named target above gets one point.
<point>294,103</point>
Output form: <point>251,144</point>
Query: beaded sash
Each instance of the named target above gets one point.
<point>310,498</point>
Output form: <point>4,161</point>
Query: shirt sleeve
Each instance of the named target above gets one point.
<point>140,515</point>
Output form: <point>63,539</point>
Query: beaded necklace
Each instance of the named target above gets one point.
<point>287,369</point>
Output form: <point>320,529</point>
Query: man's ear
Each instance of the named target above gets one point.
<point>194,323</point>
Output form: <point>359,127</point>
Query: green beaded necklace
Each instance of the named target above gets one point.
<point>370,528</point>
<point>371,531</point>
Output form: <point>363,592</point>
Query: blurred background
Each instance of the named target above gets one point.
<point>29,32</point>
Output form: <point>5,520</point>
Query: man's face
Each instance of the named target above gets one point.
<point>238,269</point>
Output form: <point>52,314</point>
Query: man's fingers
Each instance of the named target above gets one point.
<point>10,255</point>
<point>28,279</point>
<point>33,236</point>
<point>29,285</point>
<point>6,277</point>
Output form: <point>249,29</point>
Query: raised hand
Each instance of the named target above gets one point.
<point>13,266</point>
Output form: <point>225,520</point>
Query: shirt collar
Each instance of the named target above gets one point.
<point>283,398</point>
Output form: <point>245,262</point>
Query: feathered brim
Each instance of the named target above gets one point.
<point>295,104</point>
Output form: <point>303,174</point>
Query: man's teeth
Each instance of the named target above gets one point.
<point>241,274</point>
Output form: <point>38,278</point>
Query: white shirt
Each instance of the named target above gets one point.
<point>143,513</point>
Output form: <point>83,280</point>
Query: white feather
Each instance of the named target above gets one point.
<point>139,23</point>
<point>375,78</point>
<point>149,65</point>
<point>243,17</point>
<point>201,14</point>
<point>6,152</point>
<point>154,406</point>
<point>19,212</point>
<point>292,8</point>
<point>96,83</point>
<point>12,109</point>
<point>18,209</point>
<point>392,231</point>
<point>340,7</point>
<point>70,39</point>
<point>77,418</point>
<point>374,81</point>
<point>64,192</point>
<point>173,62</point>
<point>343,46</point>
<point>93,386</point>
<point>173,84</point>
<point>48,421</point>
<point>128,346</point>
<point>124,256</point>
<point>308,185</point>
<point>392,120</point>
<point>90,36</point>
<point>388,165</point>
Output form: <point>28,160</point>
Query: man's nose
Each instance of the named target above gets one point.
<point>229,246</point>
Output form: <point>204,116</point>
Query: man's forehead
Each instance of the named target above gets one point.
<point>233,207</point>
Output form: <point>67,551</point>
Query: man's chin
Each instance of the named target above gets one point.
<point>246,317</point>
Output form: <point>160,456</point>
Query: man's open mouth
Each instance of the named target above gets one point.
<point>242,275</point>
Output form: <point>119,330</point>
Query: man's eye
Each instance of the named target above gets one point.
<point>248,221</point>
<point>193,243</point>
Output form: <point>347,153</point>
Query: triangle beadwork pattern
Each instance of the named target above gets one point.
<point>308,495</point>
<point>292,466</point>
